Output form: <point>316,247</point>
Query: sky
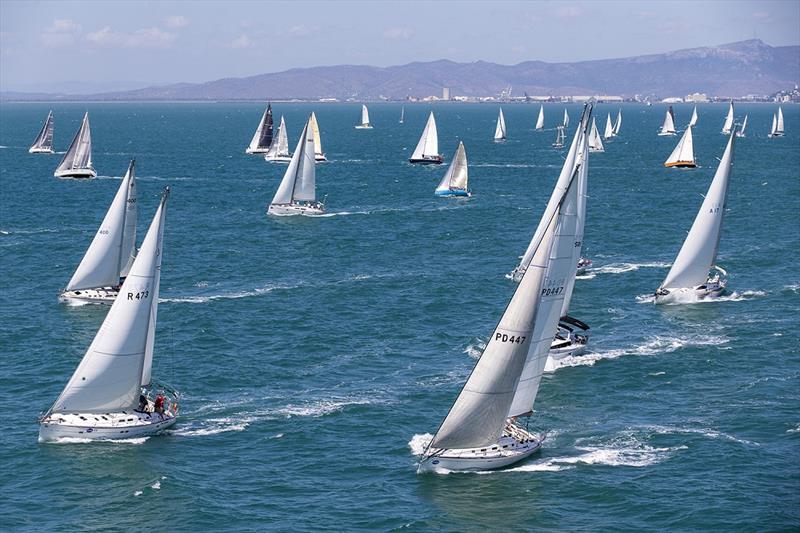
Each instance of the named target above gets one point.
<point>93,46</point>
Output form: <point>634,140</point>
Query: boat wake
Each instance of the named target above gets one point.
<point>621,268</point>
<point>706,432</point>
<point>201,299</point>
<point>689,298</point>
<point>78,440</point>
<point>476,348</point>
<point>213,426</point>
<point>319,408</point>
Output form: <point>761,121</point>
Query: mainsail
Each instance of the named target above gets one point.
<point>117,363</point>
<point>364,115</point>
<point>726,128</point>
<point>262,138</point>
<point>683,154</point>
<point>428,145</point>
<point>500,129</point>
<point>699,250</point>
<point>111,253</point>
<point>777,124</point>
<point>279,148</point>
<point>44,141</point>
<point>693,120</point>
<point>609,132</point>
<point>79,154</point>
<point>540,118</point>
<point>456,177</point>
<point>298,183</point>
<point>668,128</point>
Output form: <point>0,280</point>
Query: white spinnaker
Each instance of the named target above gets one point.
<point>364,115</point>
<point>281,147</point>
<point>44,141</point>
<point>456,176</point>
<point>500,129</point>
<point>428,144</point>
<point>699,250</point>
<point>540,118</point>
<point>726,128</point>
<point>684,151</point>
<point>779,130</point>
<point>669,122</point>
<point>111,372</point>
<point>128,253</point>
<point>317,139</point>
<point>582,177</point>
<point>298,181</point>
<point>104,259</point>
<point>609,131</point>
<point>693,120</point>
<point>618,124</point>
<point>479,413</point>
<point>79,153</point>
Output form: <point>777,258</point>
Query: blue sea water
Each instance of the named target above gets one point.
<point>315,354</point>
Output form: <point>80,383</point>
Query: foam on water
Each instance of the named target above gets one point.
<point>213,426</point>
<point>475,348</point>
<point>687,298</point>
<point>80,440</point>
<point>621,268</point>
<point>259,291</point>
<point>419,443</point>
<point>319,408</point>
<point>706,432</point>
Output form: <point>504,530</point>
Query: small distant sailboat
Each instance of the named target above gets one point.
<point>112,252</point>
<point>540,118</point>
<point>668,128</point>
<point>402,114</point>
<point>609,131</point>
<point>694,274</point>
<point>454,182</point>
<point>427,150</point>
<point>112,394</point>
<point>693,120</point>
<point>566,118</point>
<point>500,129</point>
<point>365,124</point>
<point>44,141</point>
<point>683,154</point>
<point>279,149</point>
<point>319,155</point>
<point>595,143</point>
<point>296,194</point>
<point>77,162</point>
<point>740,132</point>
<point>262,138</point>
<point>618,124</point>
<point>777,124</point>
<point>728,125</point>
<point>560,137</point>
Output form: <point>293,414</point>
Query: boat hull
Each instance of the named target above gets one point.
<point>320,158</point>
<point>491,458</point>
<point>287,210</point>
<point>41,151</point>
<point>438,160</point>
<point>256,150</point>
<point>453,193</point>
<point>363,127</point>
<point>76,173</point>
<point>666,134</point>
<point>688,295</point>
<point>681,164</point>
<point>128,426</point>
<point>102,296</point>
<point>278,158</point>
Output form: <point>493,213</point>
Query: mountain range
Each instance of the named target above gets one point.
<point>735,69</point>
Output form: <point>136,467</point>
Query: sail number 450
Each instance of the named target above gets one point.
<point>504,337</point>
<point>138,295</point>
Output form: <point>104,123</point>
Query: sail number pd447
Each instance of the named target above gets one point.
<point>505,337</point>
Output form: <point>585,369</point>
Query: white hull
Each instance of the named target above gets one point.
<point>278,158</point>
<point>256,150</point>
<point>122,425</point>
<point>100,295</point>
<point>364,127</point>
<point>40,151</point>
<point>563,351</point>
<point>666,133</point>
<point>76,173</point>
<point>320,157</point>
<point>286,210</point>
<point>707,291</point>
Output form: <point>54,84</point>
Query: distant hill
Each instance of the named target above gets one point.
<point>736,69</point>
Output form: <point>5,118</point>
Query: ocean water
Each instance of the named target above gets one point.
<point>316,354</point>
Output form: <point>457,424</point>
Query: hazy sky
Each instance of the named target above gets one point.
<point>125,44</point>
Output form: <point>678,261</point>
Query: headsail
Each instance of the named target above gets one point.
<point>298,183</point>
<point>79,154</point>
<point>693,120</point>
<point>318,153</point>
<point>618,124</point>
<point>428,145</point>
<point>609,131</point>
<point>683,154</point>
<point>262,138</point>
<point>726,128</point>
<point>540,118</point>
<point>500,129</point>
<point>456,176</point>
<point>44,141</point>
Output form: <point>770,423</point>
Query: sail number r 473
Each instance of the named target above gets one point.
<point>138,295</point>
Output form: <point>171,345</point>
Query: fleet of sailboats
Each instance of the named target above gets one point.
<point>365,124</point>
<point>454,182</point>
<point>279,148</point>
<point>44,141</point>
<point>427,150</point>
<point>728,125</point>
<point>683,154</point>
<point>500,128</point>
<point>777,124</point>
<point>262,138</point>
<point>77,162</point>
<point>668,127</point>
<point>540,118</point>
<point>297,192</point>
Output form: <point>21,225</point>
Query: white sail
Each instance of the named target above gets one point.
<point>428,145</point>
<point>298,182</point>
<point>540,118</point>
<point>318,153</point>
<point>364,115</point>
<point>110,375</point>
<point>693,120</point>
<point>456,176</point>
<point>279,147</point>
<point>774,129</point>
<point>44,141</point>
<point>595,143</point>
<point>618,124</point>
<point>402,114</point>
<point>726,128</point>
<point>699,250</point>
<point>110,250</point>
<point>683,154</point>
<point>740,131</point>
<point>128,254</point>
<point>668,128</point>
<point>262,138</point>
<point>609,132</point>
<point>582,178</point>
<point>500,129</point>
<point>566,118</point>
<point>779,129</point>
<point>79,154</point>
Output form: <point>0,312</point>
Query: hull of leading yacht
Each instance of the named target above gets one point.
<point>505,453</point>
<point>100,295</point>
<point>120,425</point>
<point>287,210</point>
<point>278,158</point>
<point>76,173</point>
<point>429,160</point>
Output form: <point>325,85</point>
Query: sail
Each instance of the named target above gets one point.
<point>566,118</point>
<point>457,175</point>
<point>110,375</point>
<point>774,129</point>
<point>540,118</point>
<point>740,133</point>
<point>128,253</point>
<point>500,129</point>
<point>699,250</point>
<point>595,143</point>
<point>669,122</point>
<point>262,138</point>
<point>79,154</point>
<point>108,253</point>
<point>683,152</point>
<point>298,182</point>
<point>317,139</point>
<point>281,146</point>
<point>364,115</point>
<point>726,128</point>
<point>402,114</point>
<point>779,129</point>
<point>618,124</point>
<point>609,132</point>
<point>428,144</point>
<point>693,120</point>
<point>44,141</point>
<point>582,178</point>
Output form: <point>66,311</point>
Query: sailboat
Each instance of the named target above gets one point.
<point>566,118</point>
<point>112,394</point>
<point>296,194</point>
<point>500,129</point>
<point>77,162</point>
<point>683,154</point>
<point>262,138</point>
<point>726,128</point>
<point>618,123</point>
<point>694,274</point>
<point>740,132</point>
<point>483,429</point>
<point>454,182</point>
<point>44,141</point>
<point>609,131</point>
<point>560,137</point>
<point>365,125</point>
<point>110,256</point>
<point>595,143</point>
<point>427,150</point>
<point>668,128</point>
<point>402,114</point>
<point>540,118</point>
<point>279,149</point>
<point>693,120</point>
<point>319,155</point>
<point>777,124</point>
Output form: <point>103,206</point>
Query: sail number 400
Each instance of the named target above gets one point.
<point>504,337</point>
<point>138,295</point>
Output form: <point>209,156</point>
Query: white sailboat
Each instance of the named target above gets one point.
<point>454,182</point>
<point>365,124</point>
<point>693,120</point>
<point>111,254</point>
<point>112,395</point>
<point>319,155</point>
<point>595,143</point>
<point>560,137</point>
<point>279,149</point>
<point>44,141</point>
<point>483,430</point>
<point>262,138</point>
<point>566,118</point>
<point>296,194</point>
<point>402,114</point>
<point>777,124</point>
<point>694,274</point>
<point>500,129</point>
<point>609,131</point>
<point>427,150</point>
<point>740,132</point>
<point>540,118</point>
<point>728,125</point>
<point>668,128</point>
<point>77,162</point>
<point>618,123</point>
<point>683,154</point>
